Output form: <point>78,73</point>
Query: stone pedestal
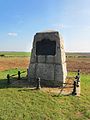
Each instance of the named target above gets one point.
<point>48,61</point>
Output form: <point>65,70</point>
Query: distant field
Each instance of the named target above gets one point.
<point>78,55</point>
<point>74,61</point>
<point>28,54</point>
<point>15,54</point>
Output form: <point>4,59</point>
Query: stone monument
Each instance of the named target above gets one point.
<point>48,60</point>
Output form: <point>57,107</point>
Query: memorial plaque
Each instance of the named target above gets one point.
<point>45,47</point>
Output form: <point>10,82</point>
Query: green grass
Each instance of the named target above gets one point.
<point>3,74</point>
<point>27,104</point>
<point>15,54</point>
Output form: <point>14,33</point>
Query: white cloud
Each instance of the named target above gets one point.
<point>62,26</point>
<point>12,34</point>
<point>59,26</point>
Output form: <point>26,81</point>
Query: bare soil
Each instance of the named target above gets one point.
<point>13,62</point>
<point>73,64</point>
<point>83,64</point>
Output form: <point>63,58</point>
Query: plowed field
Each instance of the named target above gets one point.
<point>73,64</point>
<point>13,62</point>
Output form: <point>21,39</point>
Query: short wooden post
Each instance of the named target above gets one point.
<point>8,79</point>
<point>38,84</point>
<point>19,75</point>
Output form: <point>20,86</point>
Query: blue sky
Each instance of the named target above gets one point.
<point>21,19</point>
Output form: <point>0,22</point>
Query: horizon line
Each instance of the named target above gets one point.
<point>30,51</point>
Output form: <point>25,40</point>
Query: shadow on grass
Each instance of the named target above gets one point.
<point>24,83</point>
<point>58,95</point>
<point>3,83</point>
<point>14,83</point>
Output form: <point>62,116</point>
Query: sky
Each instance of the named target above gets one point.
<point>21,19</point>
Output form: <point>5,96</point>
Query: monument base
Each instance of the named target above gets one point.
<point>46,83</point>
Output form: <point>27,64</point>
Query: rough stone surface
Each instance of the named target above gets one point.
<point>50,59</point>
<point>58,73</point>
<point>45,71</point>
<point>41,59</point>
<point>31,70</point>
<point>45,64</point>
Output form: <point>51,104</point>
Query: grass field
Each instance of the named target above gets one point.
<point>15,54</point>
<point>27,104</point>
<point>27,54</point>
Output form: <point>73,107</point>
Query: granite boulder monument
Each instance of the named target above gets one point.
<point>48,61</point>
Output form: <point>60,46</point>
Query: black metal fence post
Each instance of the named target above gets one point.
<point>78,78</point>
<point>27,73</point>
<point>78,72</point>
<point>74,88</point>
<point>78,75</point>
<point>8,79</point>
<point>19,75</point>
<point>38,84</point>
